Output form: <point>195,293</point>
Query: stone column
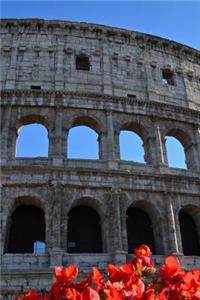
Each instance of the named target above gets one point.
<point>106,73</point>
<point>4,219</point>
<point>11,75</point>
<point>59,75</point>
<point>197,146</point>
<point>172,246</point>
<point>150,83</point>
<point>56,252</point>
<point>159,155</point>
<point>56,138</point>
<point>110,142</point>
<point>115,227</point>
<point>5,132</point>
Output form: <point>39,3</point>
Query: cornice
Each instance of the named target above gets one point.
<point>58,98</point>
<point>104,172</point>
<point>100,32</point>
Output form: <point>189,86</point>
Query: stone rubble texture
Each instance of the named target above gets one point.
<point>42,53</point>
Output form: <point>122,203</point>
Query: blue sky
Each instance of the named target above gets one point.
<point>174,20</point>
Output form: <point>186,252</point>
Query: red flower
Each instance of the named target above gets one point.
<point>66,274</point>
<point>171,271</point>
<point>191,285</point>
<point>112,293</point>
<point>89,294</point>
<point>143,250</point>
<point>98,279</point>
<point>122,273</point>
<point>134,288</point>
<point>31,295</point>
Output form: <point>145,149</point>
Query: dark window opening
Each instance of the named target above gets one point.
<point>139,230</point>
<point>189,236</point>
<point>27,227</point>
<point>82,63</point>
<point>84,231</point>
<point>35,87</point>
<point>167,77</point>
<point>131,96</point>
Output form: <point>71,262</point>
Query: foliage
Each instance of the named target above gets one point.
<point>125,282</point>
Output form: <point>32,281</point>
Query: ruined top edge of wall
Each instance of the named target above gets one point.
<point>101,30</point>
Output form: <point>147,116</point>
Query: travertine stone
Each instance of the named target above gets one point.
<point>122,90</point>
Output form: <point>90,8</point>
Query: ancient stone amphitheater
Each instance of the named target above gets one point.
<point>84,211</point>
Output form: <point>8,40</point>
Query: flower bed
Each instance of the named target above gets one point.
<point>128,282</point>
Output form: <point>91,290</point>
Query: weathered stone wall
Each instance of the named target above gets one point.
<point>42,53</point>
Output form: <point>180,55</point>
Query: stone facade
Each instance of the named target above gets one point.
<point>124,88</point>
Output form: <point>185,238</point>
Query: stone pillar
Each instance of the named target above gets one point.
<point>160,155</point>
<point>111,146</point>
<point>59,75</point>
<point>56,252</point>
<point>106,73</point>
<point>124,231</point>
<point>11,75</point>
<point>4,219</point>
<point>172,238</point>
<point>152,95</point>
<point>110,136</point>
<point>115,227</point>
<point>56,139</point>
<point>197,146</point>
<point>5,132</point>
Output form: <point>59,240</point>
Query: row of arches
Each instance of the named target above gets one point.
<point>83,143</point>
<point>26,232</point>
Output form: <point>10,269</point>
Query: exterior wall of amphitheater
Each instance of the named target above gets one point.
<point>122,90</point>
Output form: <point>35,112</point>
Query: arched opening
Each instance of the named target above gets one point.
<point>83,143</point>
<point>27,227</point>
<point>32,141</point>
<point>131,146</point>
<point>139,229</point>
<point>84,230</point>
<point>189,234</point>
<point>175,153</point>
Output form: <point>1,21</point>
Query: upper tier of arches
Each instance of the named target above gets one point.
<point>86,137</point>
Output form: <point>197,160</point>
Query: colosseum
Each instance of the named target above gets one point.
<point>62,75</point>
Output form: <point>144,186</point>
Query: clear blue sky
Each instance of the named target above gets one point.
<point>174,20</point>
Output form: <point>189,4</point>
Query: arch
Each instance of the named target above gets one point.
<point>82,143</point>
<point>32,137</point>
<point>139,229</point>
<point>90,201</point>
<point>31,119</point>
<point>189,220</point>
<point>26,227</point>
<point>133,136</point>
<point>24,198</point>
<point>131,146</point>
<point>85,120</point>
<point>175,153</point>
<point>180,142</point>
<point>84,230</point>
<point>32,141</point>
